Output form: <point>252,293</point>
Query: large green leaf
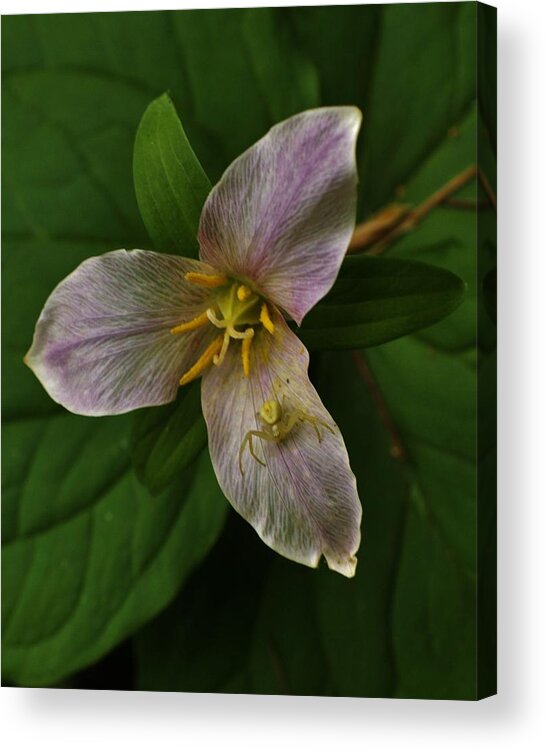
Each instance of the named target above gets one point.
<point>375,300</point>
<point>424,82</point>
<point>432,398</point>
<point>67,169</point>
<point>447,236</point>
<point>170,184</point>
<point>201,641</point>
<point>355,615</point>
<point>89,554</point>
<point>245,623</point>
<point>244,72</point>
<point>487,70</point>
<point>287,655</point>
<point>411,71</point>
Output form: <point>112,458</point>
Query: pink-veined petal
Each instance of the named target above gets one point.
<point>283,213</point>
<point>102,344</point>
<point>304,502</point>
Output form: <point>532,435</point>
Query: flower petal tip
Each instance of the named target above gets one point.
<point>345,566</point>
<point>355,114</point>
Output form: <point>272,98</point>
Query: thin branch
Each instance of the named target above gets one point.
<point>488,190</point>
<point>467,204</point>
<point>378,226</point>
<point>397,446</point>
<point>421,211</point>
<point>409,219</point>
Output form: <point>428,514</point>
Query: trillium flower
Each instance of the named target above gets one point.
<point>126,329</point>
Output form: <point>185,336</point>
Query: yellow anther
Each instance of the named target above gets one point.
<point>265,320</point>
<point>245,353</point>
<point>191,325</point>
<point>207,280</point>
<point>243,293</point>
<point>204,361</point>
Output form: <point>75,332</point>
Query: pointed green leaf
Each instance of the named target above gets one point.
<point>375,300</point>
<point>170,183</point>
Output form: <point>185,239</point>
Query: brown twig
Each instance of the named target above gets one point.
<point>421,211</point>
<point>378,226</point>
<point>414,217</point>
<point>397,446</point>
<point>467,204</point>
<point>488,190</point>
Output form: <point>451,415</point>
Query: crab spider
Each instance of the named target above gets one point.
<point>278,423</point>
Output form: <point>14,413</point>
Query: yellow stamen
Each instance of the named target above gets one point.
<point>243,293</point>
<point>245,353</point>
<point>191,325</point>
<point>265,320</point>
<point>205,279</point>
<point>204,361</point>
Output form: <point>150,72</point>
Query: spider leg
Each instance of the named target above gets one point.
<point>255,433</point>
<point>248,439</point>
<point>242,450</point>
<point>302,416</point>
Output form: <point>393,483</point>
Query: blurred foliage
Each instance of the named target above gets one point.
<point>91,554</point>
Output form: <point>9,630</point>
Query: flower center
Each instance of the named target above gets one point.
<point>236,310</point>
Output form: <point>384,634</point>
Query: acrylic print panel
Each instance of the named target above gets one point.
<point>311,511</point>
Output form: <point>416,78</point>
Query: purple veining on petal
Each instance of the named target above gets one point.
<point>283,213</point>
<point>304,503</point>
<point>102,344</point>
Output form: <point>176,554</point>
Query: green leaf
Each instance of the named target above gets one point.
<point>168,438</point>
<point>201,641</point>
<point>375,300</point>
<point>279,66</point>
<point>347,34</point>
<point>447,236</point>
<point>90,555</point>
<point>245,72</point>
<point>244,623</point>
<point>434,618</point>
<point>432,399</point>
<point>288,656</point>
<point>170,184</point>
<point>405,625</point>
<point>354,615</point>
<point>424,82</point>
<point>487,69</point>
<point>68,145</point>
<point>411,71</point>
